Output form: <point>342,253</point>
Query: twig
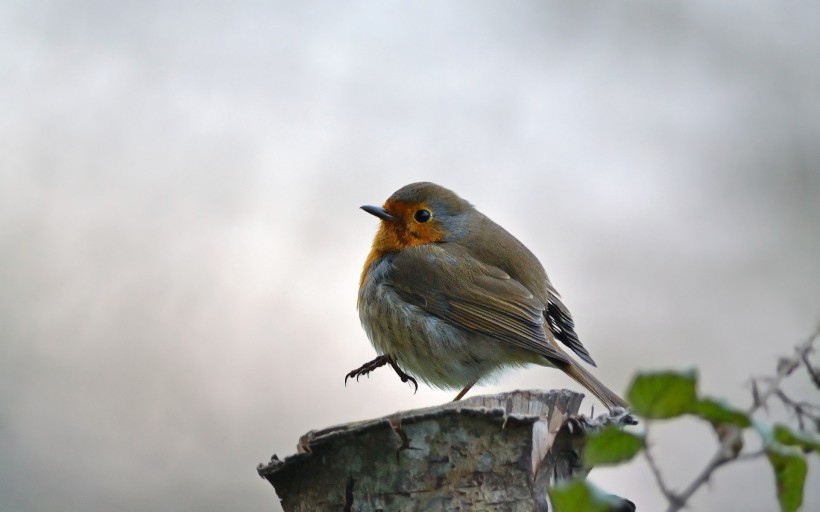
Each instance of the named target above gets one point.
<point>670,496</point>
<point>751,455</point>
<point>814,373</point>
<point>801,410</point>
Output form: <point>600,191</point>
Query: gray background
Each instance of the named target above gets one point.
<point>180,238</point>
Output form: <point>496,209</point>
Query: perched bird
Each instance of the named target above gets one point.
<point>450,297</point>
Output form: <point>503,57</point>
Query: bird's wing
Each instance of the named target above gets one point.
<point>562,326</point>
<point>455,287</point>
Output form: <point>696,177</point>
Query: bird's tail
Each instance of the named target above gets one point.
<point>586,379</point>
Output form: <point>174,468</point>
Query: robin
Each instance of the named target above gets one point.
<point>450,297</point>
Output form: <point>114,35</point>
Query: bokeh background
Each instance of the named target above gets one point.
<point>180,238</point>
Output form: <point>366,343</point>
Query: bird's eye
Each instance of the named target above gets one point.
<point>423,216</point>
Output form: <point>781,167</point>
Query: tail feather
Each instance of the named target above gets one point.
<point>586,379</point>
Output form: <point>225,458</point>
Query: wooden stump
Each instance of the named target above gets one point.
<point>494,452</point>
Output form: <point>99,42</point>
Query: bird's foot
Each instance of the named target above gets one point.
<point>366,368</point>
<point>382,360</point>
<point>403,376</point>
<point>617,416</point>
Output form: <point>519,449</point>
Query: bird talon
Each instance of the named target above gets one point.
<point>366,368</point>
<point>403,376</point>
<point>411,380</point>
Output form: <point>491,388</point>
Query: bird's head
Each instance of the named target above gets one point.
<point>417,214</point>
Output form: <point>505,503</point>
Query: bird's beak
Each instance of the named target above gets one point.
<point>380,212</point>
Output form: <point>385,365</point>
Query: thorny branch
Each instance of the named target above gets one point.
<point>725,452</point>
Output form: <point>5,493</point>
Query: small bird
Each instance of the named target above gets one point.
<point>449,296</point>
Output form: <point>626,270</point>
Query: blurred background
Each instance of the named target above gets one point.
<point>181,239</point>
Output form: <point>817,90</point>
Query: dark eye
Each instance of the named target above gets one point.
<point>423,216</point>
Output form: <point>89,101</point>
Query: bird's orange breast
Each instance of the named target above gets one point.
<point>405,232</point>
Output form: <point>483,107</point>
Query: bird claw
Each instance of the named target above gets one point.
<point>366,368</point>
<point>382,360</point>
<point>403,376</point>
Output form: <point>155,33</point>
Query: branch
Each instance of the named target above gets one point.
<point>670,496</point>
<point>724,452</point>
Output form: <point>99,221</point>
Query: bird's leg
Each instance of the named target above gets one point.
<point>382,360</point>
<point>463,392</point>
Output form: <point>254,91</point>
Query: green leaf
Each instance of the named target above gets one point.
<point>663,395</point>
<point>784,435</point>
<point>611,445</point>
<point>581,496</point>
<point>790,476</point>
<point>718,411</point>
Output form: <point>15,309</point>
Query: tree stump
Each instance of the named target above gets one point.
<point>494,452</point>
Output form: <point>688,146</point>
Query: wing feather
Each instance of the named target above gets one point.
<point>457,288</point>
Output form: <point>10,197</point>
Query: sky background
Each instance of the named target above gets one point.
<point>181,239</point>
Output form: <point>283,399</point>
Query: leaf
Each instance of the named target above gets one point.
<point>663,395</point>
<point>581,496</point>
<point>784,435</point>
<point>790,476</point>
<point>718,411</point>
<point>611,445</point>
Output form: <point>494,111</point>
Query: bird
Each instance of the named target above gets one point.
<point>450,297</point>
